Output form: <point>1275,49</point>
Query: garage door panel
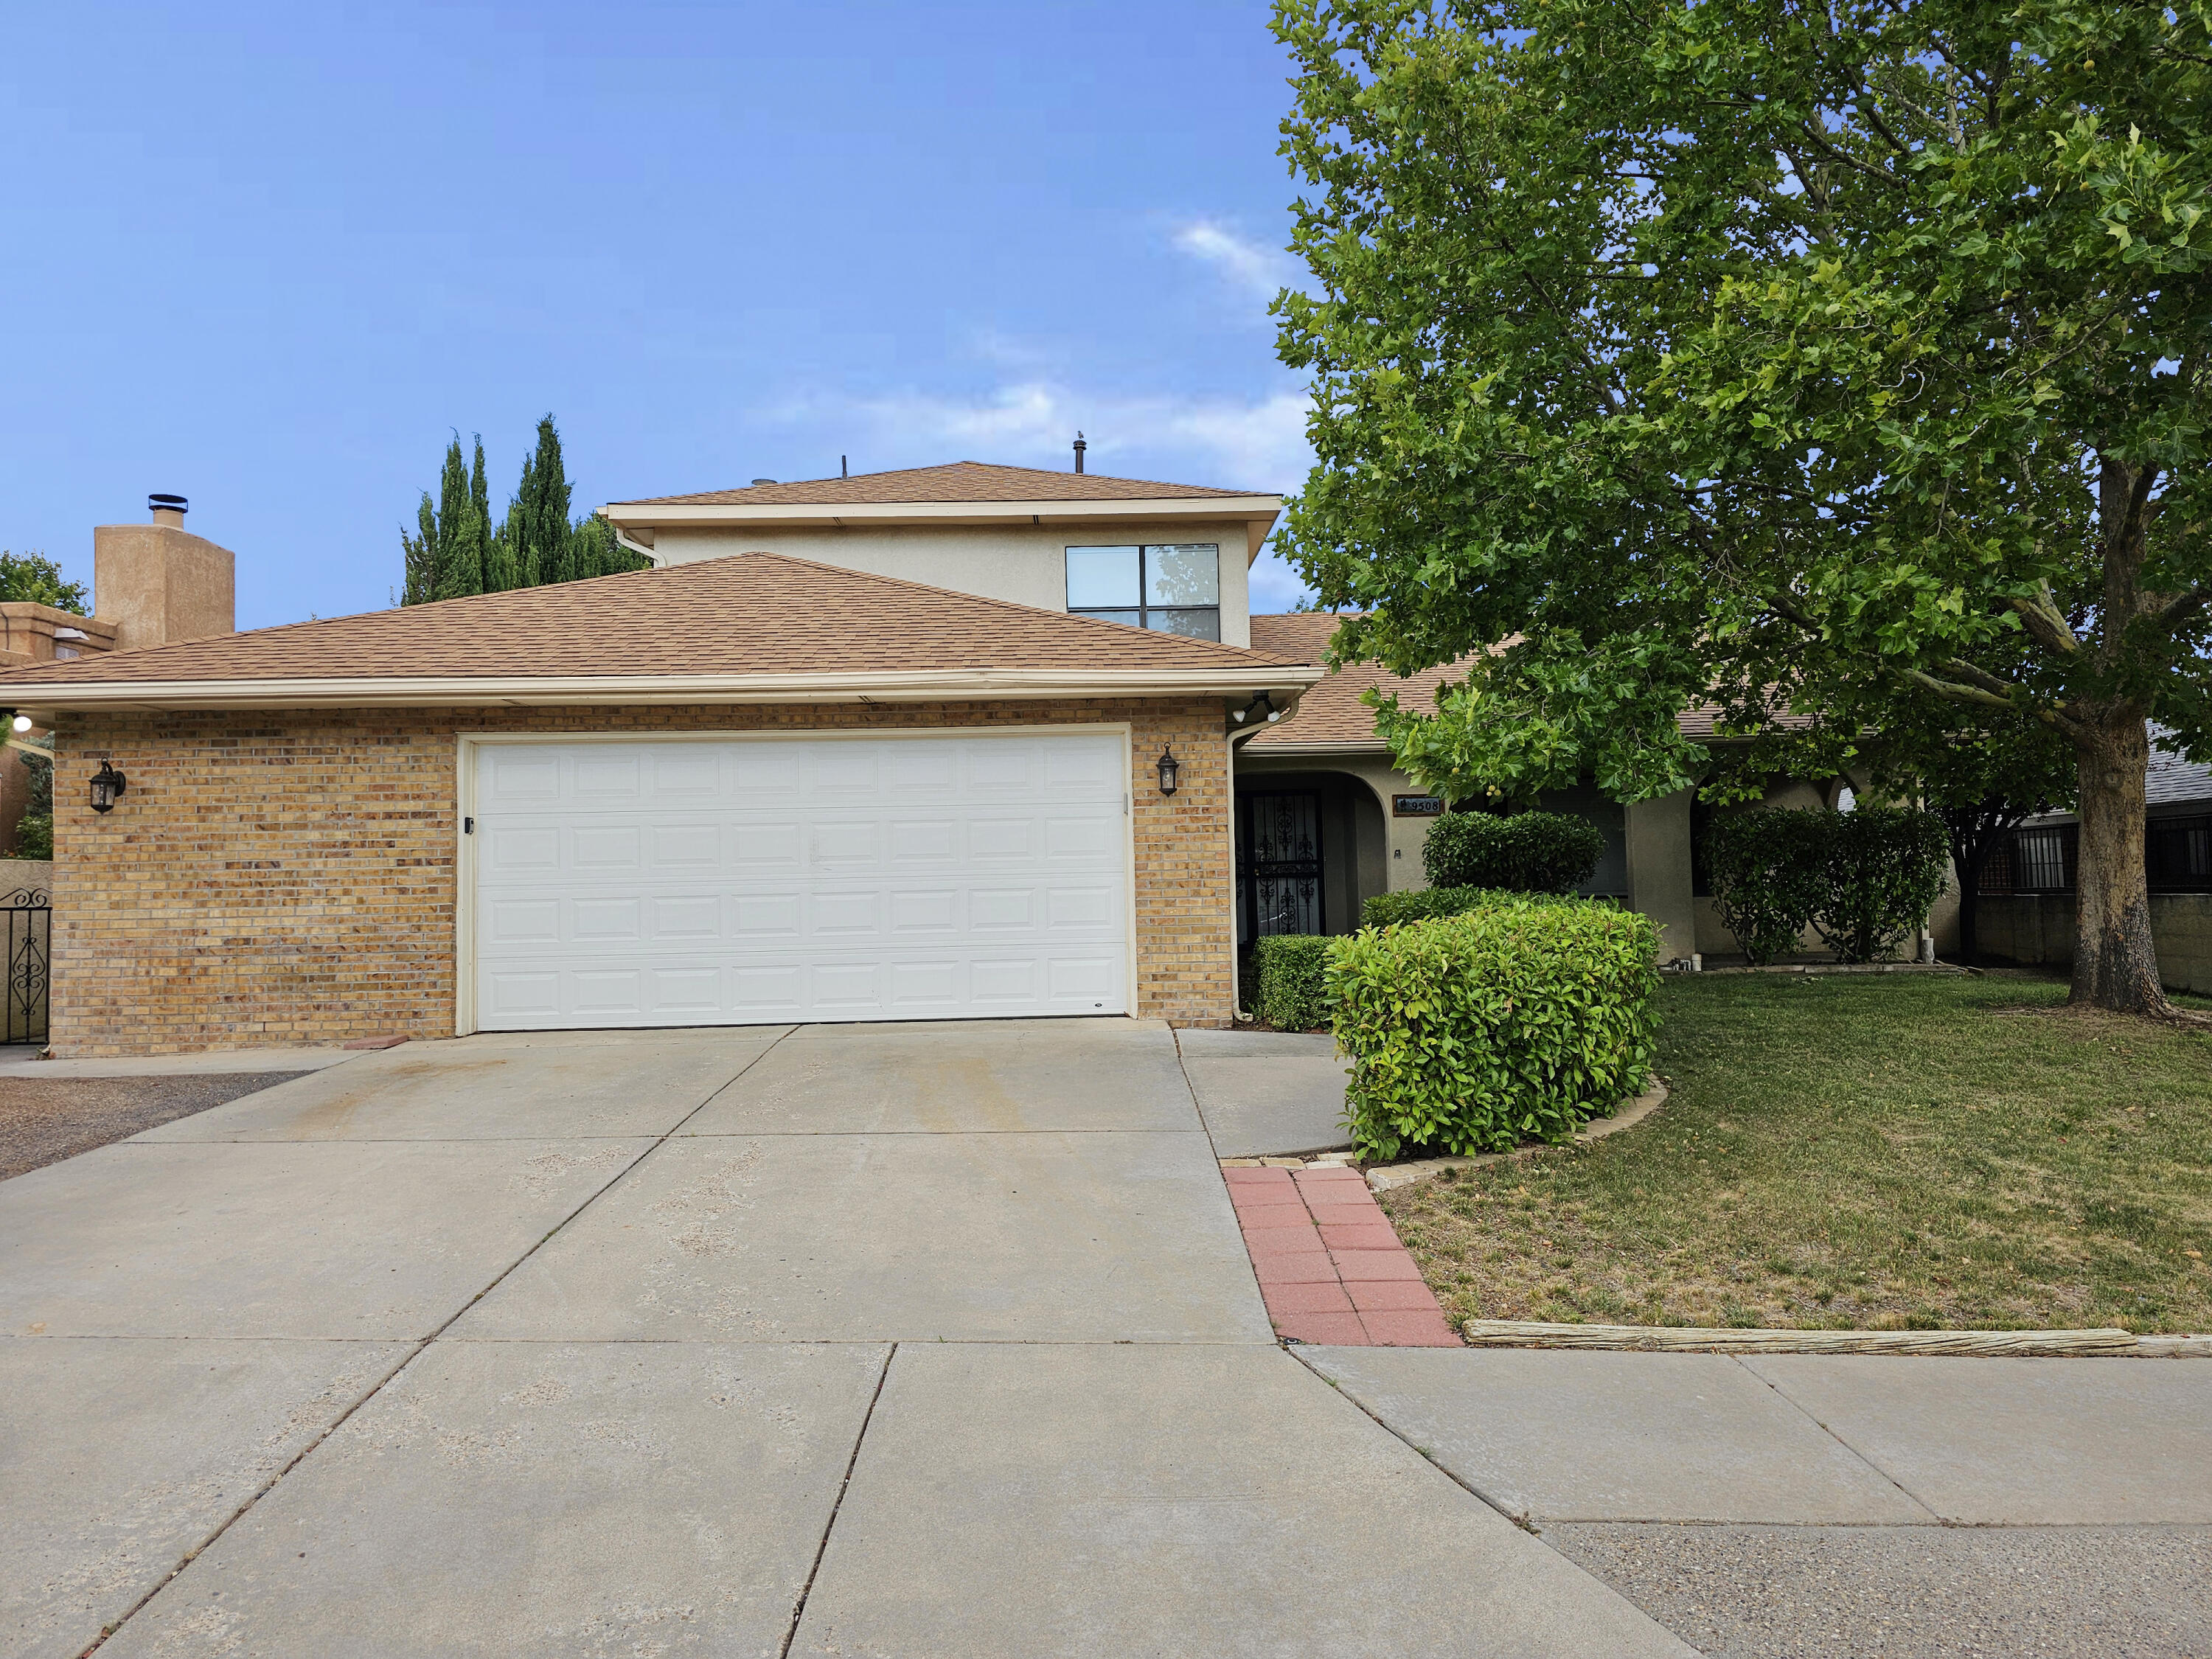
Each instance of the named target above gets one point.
<point>734,881</point>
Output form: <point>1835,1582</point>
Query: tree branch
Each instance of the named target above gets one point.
<point>2045,622</point>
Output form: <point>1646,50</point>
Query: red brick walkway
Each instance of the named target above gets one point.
<point>1330,1264</point>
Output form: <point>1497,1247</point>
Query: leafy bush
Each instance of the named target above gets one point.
<point>1527,853</point>
<point>1518,1020</point>
<point>34,837</point>
<point>1388,909</point>
<point>1885,869</point>
<point>1862,880</point>
<point>1768,871</point>
<point>1288,989</point>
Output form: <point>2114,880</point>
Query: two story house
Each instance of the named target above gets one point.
<point>954,741</point>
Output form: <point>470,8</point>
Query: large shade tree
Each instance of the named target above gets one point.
<point>1787,356</point>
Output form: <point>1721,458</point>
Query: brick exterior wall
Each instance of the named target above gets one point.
<point>288,877</point>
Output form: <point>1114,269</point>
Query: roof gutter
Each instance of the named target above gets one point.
<point>42,702</point>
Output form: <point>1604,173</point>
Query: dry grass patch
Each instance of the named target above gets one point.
<point>1843,1153</point>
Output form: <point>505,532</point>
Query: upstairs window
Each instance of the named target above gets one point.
<point>1174,589</point>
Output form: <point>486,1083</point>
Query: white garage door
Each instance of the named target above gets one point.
<point>746,880</point>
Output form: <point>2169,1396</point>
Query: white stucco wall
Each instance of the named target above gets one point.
<point>1025,563</point>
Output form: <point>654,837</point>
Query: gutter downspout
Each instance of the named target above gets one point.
<point>622,540</point>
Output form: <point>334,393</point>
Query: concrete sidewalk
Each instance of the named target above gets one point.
<point>1267,1094</point>
<point>915,1339</point>
<point>1792,1503</point>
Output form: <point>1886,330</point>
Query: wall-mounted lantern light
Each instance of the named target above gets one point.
<point>106,788</point>
<point>1168,767</point>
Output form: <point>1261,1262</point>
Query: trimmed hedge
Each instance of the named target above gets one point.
<point>1289,988</point>
<point>1863,880</point>
<point>1517,1020</point>
<point>1388,909</point>
<point>1527,852</point>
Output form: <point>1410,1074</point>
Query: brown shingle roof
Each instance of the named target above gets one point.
<point>959,481</point>
<point>750,613</point>
<point>1332,712</point>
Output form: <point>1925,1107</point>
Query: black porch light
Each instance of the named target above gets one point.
<point>107,785</point>
<point>1168,767</point>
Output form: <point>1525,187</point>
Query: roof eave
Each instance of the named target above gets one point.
<point>43,702</point>
<point>799,514</point>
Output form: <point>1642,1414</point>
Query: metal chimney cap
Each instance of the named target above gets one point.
<point>160,502</point>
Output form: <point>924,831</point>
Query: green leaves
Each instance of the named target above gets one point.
<point>1863,880</point>
<point>1517,1020</point>
<point>1744,352</point>
<point>1289,989</point>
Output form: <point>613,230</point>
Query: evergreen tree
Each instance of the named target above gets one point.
<point>456,552</point>
<point>422,554</point>
<point>460,543</point>
<point>538,518</point>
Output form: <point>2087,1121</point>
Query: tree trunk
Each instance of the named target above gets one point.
<point>2115,964</point>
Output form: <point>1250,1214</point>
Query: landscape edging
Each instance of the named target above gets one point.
<point>2109,1342</point>
<point>1384,1178</point>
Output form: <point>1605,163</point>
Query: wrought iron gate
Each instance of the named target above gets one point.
<point>1278,879</point>
<point>29,913</point>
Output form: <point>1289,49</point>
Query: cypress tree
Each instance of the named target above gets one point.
<point>422,554</point>
<point>460,544</point>
<point>540,515</point>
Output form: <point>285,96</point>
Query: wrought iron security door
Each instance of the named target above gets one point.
<point>28,918</point>
<point>1278,880</point>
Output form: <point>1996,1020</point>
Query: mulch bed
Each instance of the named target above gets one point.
<point>45,1120</point>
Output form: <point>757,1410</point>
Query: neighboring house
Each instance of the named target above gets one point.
<point>2025,913</point>
<point>777,778</point>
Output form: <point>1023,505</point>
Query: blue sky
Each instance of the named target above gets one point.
<point>265,257</point>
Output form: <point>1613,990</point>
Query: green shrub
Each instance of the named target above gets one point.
<point>1885,868</point>
<point>1527,853</point>
<point>1517,1021</point>
<point>1289,987</point>
<point>1862,880</point>
<point>1388,909</point>
<point>34,837</point>
<point>1768,871</point>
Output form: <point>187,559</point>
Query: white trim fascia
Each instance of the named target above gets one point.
<point>966,685</point>
<point>1076,510</point>
<point>1349,746</point>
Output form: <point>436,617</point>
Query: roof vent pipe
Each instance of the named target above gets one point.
<point>757,483</point>
<point>1080,447</point>
<point>167,510</point>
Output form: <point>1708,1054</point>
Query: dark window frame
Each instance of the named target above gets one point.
<point>1142,607</point>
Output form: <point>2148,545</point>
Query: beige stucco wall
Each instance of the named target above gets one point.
<point>1026,563</point>
<point>2037,929</point>
<point>1658,834</point>
<point>1401,837</point>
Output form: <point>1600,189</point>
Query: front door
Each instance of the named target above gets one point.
<point>1278,884</point>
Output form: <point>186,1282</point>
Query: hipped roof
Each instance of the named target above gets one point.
<point>750,625</point>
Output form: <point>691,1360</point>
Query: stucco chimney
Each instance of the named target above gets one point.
<point>158,583</point>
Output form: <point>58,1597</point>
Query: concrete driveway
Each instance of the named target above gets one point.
<point>893,1339</point>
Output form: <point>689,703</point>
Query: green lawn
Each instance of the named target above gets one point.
<point>1895,1152</point>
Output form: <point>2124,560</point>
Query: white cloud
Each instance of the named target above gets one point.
<point>1257,270</point>
<point>1257,445</point>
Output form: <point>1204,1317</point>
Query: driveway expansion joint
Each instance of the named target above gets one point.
<point>415,1353</point>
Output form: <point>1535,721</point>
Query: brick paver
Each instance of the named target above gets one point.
<point>1329,1263</point>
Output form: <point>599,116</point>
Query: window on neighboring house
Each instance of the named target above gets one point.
<point>1173,589</point>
